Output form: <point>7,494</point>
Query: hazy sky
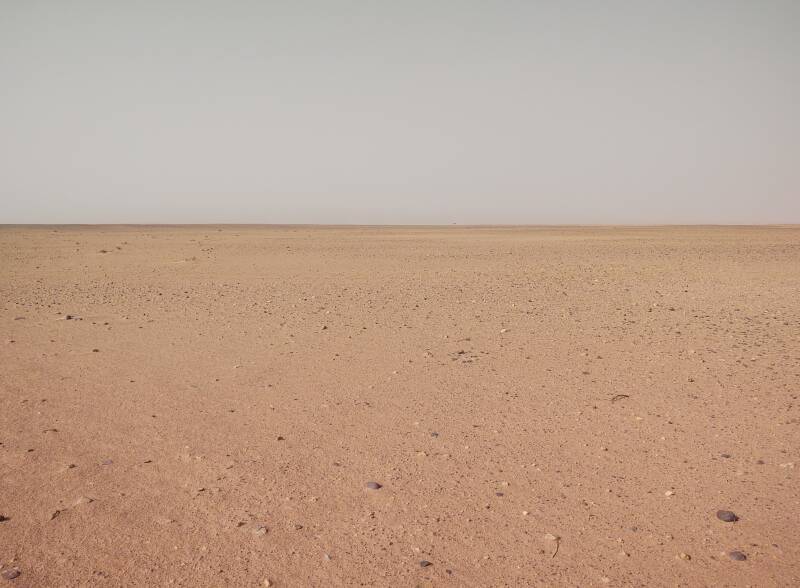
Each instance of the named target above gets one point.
<point>400,111</point>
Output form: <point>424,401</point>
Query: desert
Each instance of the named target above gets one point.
<point>399,406</point>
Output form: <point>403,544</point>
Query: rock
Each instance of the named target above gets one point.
<point>669,493</point>
<point>106,462</point>
<point>260,530</point>
<point>374,486</point>
<point>551,537</point>
<point>4,518</point>
<point>737,556</point>
<point>10,573</point>
<point>727,516</point>
<point>685,556</point>
<point>83,500</point>
<point>425,563</point>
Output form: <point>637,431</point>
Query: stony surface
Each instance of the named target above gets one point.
<point>580,373</point>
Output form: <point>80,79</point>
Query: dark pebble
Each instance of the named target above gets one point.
<point>425,563</point>
<point>95,351</point>
<point>106,462</point>
<point>374,486</point>
<point>727,516</point>
<point>726,455</point>
<point>281,439</point>
<point>11,573</point>
<point>4,518</point>
<point>737,556</point>
<point>434,434</point>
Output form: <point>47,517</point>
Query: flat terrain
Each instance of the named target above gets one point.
<point>205,406</point>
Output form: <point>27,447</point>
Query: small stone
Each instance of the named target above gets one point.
<point>525,513</point>
<point>374,486</point>
<point>551,537</point>
<point>95,351</point>
<point>10,573</point>
<point>106,462</point>
<point>727,516</point>
<point>737,556</point>
<point>83,500</point>
<point>326,557</point>
<point>267,582</point>
<point>4,518</point>
<point>504,330</point>
<point>280,438</point>
<point>669,493</point>
<point>685,556</point>
<point>425,563</point>
<point>260,530</point>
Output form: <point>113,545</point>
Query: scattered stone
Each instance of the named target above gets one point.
<point>727,516</point>
<point>106,462</point>
<point>326,557</point>
<point>434,434</point>
<point>11,573</point>
<point>726,455</point>
<point>95,351</point>
<point>669,493</point>
<point>374,486</point>
<point>685,556</point>
<point>260,530</point>
<point>425,563</point>
<point>281,438</point>
<point>504,330</point>
<point>737,556</point>
<point>4,518</point>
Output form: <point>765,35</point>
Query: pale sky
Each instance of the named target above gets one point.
<point>400,111</point>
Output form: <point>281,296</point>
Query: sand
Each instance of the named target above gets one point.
<point>205,406</point>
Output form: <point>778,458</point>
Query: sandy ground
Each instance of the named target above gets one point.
<point>540,406</point>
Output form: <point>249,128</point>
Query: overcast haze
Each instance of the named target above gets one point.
<point>400,112</point>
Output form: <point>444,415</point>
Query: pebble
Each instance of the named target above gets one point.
<point>260,530</point>
<point>374,486</point>
<point>425,563</point>
<point>737,556</point>
<point>685,556</point>
<point>727,516</point>
<point>551,537</point>
<point>11,573</point>
<point>3,518</point>
<point>669,493</point>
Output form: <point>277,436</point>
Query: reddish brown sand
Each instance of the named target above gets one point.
<point>542,406</point>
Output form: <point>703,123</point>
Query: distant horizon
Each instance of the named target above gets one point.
<point>418,225</point>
